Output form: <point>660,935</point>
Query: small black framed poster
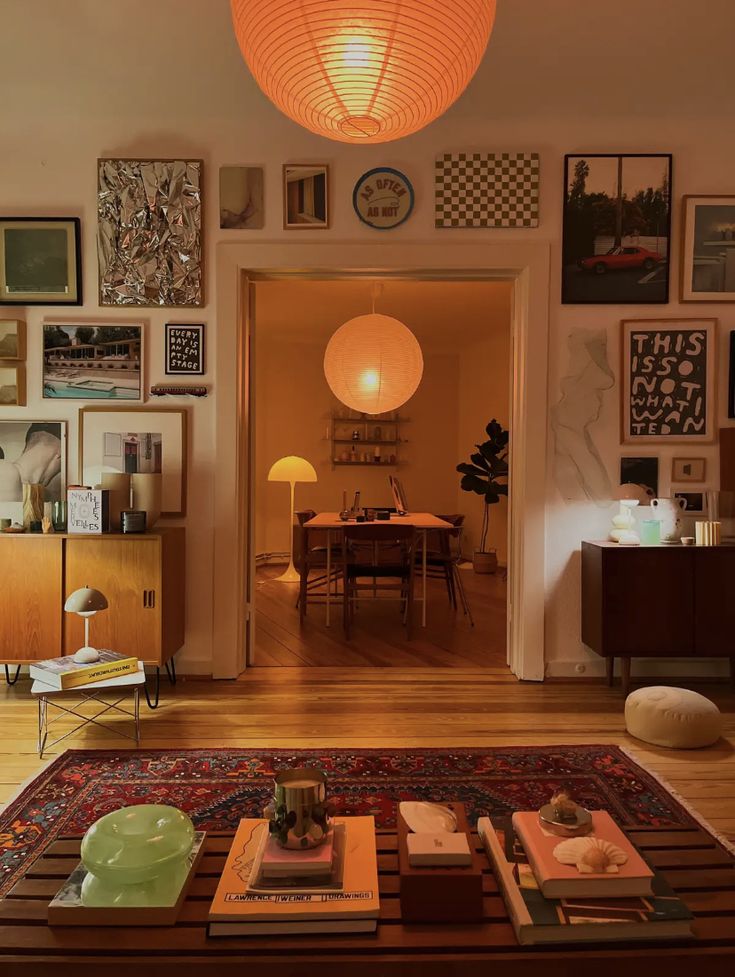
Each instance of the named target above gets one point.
<point>184,348</point>
<point>668,380</point>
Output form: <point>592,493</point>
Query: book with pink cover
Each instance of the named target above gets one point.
<point>278,861</point>
<point>558,881</point>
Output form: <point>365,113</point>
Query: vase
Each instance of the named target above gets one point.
<point>668,512</point>
<point>118,485</point>
<point>32,503</point>
<point>147,489</point>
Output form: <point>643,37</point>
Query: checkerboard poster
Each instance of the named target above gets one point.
<point>487,190</point>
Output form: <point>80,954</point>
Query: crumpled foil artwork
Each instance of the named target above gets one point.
<point>149,240</point>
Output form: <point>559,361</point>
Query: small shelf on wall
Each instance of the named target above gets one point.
<point>373,432</point>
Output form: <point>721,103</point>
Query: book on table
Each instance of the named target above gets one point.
<point>557,881</point>
<point>67,909</point>
<point>536,919</point>
<point>64,673</point>
<point>247,904</point>
<point>277,862</point>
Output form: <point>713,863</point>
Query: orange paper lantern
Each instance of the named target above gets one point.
<point>363,72</point>
<point>373,363</point>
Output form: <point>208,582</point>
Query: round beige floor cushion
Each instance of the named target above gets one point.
<point>677,718</point>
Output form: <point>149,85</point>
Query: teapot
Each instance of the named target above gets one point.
<point>668,512</point>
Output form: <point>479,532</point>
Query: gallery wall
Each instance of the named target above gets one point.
<point>560,76</point>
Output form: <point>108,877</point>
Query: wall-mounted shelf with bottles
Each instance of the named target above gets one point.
<point>362,439</point>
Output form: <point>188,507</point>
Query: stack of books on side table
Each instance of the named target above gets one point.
<point>65,673</point>
<point>553,901</point>
<point>267,890</point>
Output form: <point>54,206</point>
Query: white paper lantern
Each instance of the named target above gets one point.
<point>373,363</point>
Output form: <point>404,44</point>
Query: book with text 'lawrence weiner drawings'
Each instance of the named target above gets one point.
<point>661,916</point>
<point>65,673</point>
<point>239,909</point>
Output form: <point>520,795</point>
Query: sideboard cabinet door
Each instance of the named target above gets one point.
<point>714,601</point>
<point>128,572</point>
<point>30,598</point>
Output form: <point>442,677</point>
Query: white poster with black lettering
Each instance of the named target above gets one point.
<point>668,380</point>
<point>184,349</point>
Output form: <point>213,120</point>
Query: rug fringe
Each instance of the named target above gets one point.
<point>726,843</point>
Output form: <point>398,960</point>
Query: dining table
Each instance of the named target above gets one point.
<point>421,522</point>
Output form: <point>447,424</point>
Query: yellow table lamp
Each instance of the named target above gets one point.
<point>291,469</point>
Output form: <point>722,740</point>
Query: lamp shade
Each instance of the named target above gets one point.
<point>373,363</point>
<point>631,492</point>
<point>85,601</point>
<point>292,469</point>
<point>370,71</point>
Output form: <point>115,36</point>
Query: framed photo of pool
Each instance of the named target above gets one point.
<point>40,261</point>
<point>93,360</point>
<point>136,440</point>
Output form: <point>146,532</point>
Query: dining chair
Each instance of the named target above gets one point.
<point>444,555</point>
<point>312,555</point>
<point>382,554</point>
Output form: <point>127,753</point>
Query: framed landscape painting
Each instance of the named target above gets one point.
<point>120,439</point>
<point>12,339</point>
<point>617,228</point>
<point>708,249</point>
<point>40,261</point>
<point>668,371</point>
<point>93,361</point>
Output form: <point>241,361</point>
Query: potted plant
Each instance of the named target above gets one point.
<point>486,475</point>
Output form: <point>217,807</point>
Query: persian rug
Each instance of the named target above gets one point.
<point>217,787</point>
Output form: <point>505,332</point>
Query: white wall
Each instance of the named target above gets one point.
<point>85,79</point>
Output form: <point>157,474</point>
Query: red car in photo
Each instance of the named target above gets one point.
<point>620,259</point>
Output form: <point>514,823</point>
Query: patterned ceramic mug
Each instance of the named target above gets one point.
<point>299,812</point>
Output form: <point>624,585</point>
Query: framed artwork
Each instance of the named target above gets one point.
<point>118,439</point>
<point>617,228</point>
<point>688,469</point>
<point>27,448</point>
<point>486,190</point>
<point>12,384</point>
<point>40,261</point>
<point>668,372</point>
<point>241,198</point>
<point>305,196</point>
<point>694,502</point>
<point>149,232</point>
<point>93,361</point>
<point>185,348</point>
<point>12,339</point>
<point>383,198</point>
<point>708,249</point>
<point>641,471</point>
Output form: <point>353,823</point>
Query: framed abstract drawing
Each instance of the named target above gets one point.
<point>617,228</point>
<point>40,261</point>
<point>668,380</point>
<point>708,249</point>
<point>121,439</point>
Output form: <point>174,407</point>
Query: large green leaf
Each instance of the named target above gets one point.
<point>466,469</point>
<point>471,483</point>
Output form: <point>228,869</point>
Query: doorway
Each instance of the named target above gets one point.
<point>464,330</point>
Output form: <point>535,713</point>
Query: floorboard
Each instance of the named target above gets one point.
<point>389,707</point>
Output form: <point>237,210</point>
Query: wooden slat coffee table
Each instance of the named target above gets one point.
<point>697,868</point>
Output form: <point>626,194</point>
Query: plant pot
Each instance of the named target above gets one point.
<point>485,562</point>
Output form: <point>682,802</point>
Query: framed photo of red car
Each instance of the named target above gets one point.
<point>708,249</point>
<point>617,229</point>
<point>668,388</point>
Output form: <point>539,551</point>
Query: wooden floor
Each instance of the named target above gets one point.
<point>378,636</point>
<point>330,707</point>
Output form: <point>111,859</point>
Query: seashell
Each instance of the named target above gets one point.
<point>592,856</point>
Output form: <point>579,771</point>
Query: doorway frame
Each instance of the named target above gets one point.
<point>525,265</point>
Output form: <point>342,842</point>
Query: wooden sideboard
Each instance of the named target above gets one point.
<point>142,577</point>
<point>658,602</point>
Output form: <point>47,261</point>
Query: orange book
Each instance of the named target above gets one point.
<point>240,910</point>
<point>557,881</point>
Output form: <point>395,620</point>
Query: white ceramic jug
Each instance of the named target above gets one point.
<point>668,512</point>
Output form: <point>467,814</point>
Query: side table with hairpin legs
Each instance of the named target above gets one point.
<point>121,686</point>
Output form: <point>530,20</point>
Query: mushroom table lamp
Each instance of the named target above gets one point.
<point>86,602</point>
<point>291,469</point>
